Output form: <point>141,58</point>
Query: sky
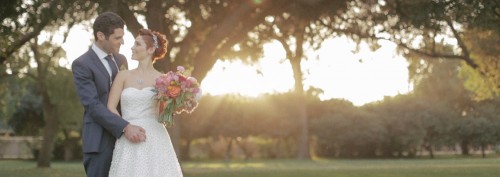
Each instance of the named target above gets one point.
<point>361,77</point>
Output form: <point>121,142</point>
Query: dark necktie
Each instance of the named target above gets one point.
<point>112,65</point>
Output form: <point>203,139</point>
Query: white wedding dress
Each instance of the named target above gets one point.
<point>156,156</point>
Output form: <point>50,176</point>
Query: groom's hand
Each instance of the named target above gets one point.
<point>134,133</point>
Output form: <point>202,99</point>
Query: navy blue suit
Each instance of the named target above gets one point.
<point>101,127</point>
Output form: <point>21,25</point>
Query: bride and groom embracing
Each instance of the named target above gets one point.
<point>131,142</point>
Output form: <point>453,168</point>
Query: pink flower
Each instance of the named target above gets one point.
<point>192,80</point>
<point>180,69</point>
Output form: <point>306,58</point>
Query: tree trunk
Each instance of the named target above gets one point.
<point>68,145</point>
<point>429,147</point>
<point>246,151</point>
<point>431,151</point>
<point>464,146</point>
<point>157,22</point>
<point>275,149</point>
<point>50,128</point>
<point>185,148</point>
<point>303,138</point>
<point>175,136</point>
<point>68,152</point>
<point>483,148</point>
<point>228,156</point>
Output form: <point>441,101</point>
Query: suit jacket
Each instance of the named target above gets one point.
<point>93,84</point>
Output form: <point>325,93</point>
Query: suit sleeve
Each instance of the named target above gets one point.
<point>87,91</point>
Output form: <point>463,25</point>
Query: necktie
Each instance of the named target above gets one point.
<point>112,65</point>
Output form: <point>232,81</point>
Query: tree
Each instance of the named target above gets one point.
<point>484,81</point>
<point>346,131</point>
<point>228,119</point>
<point>12,91</point>
<point>438,83</point>
<point>277,121</point>
<point>437,29</point>
<point>28,118</point>
<point>484,122</point>
<point>438,121</point>
<point>69,111</point>
<point>38,17</point>
<point>198,124</point>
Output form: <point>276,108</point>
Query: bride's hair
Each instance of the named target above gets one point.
<point>156,40</point>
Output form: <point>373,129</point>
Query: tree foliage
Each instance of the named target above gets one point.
<point>28,119</point>
<point>455,30</point>
<point>25,20</point>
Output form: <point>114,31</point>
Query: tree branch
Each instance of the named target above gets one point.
<point>239,35</point>
<point>430,54</point>
<point>462,45</point>
<point>128,16</point>
<point>38,21</point>
<point>44,21</point>
<point>286,47</point>
<point>204,60</point>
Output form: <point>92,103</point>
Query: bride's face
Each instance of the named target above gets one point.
<point>139,50</point>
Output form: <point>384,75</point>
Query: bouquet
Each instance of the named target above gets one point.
<point>176,93</point>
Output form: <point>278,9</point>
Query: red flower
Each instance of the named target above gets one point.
<point>173,91</point>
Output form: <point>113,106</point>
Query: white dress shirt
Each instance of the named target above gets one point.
<point>101,54</point>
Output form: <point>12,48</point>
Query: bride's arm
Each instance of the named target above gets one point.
<point>116,91</point>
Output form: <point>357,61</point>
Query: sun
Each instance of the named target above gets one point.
<point>270,75</point>
<point>237,78</point>
<point>361,77</point>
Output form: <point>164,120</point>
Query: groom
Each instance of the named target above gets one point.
<point>93,74</point>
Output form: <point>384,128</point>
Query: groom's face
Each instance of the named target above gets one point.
<point>113,43</point>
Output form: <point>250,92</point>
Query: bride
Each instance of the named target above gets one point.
<point>133,89</point>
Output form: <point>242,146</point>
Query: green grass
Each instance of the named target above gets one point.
<point>451,167</point>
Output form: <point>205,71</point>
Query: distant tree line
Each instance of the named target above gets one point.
<point>439,114</point>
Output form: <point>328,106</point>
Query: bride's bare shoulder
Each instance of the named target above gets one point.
<point>124,73</point>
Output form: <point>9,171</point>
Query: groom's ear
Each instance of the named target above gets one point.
<point>100,36</point>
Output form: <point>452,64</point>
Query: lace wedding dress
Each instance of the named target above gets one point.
<point>156,156</point>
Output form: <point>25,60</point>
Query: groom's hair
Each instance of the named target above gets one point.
<point>106,23</point>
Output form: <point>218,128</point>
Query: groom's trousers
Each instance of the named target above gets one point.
<point>97,164</point>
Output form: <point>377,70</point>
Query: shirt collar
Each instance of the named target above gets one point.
<point>100,53</point>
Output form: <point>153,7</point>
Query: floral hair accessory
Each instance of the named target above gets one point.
<point>155,39</point>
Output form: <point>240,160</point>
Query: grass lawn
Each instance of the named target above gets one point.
<point>450,167</point>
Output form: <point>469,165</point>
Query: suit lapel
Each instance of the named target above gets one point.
<point>98,63</point>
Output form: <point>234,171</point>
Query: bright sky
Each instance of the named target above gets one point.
<point>334,68</point>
